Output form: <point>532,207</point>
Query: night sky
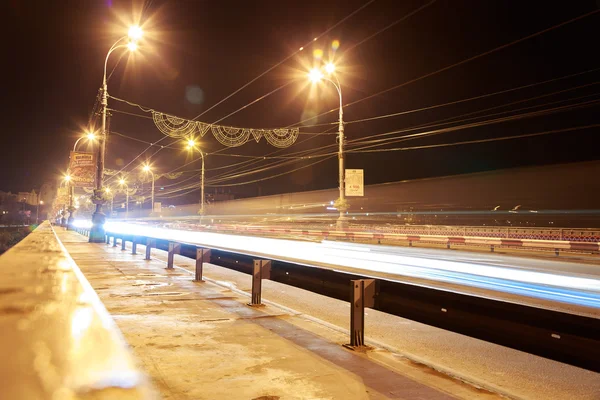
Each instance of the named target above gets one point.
<point>195,53</point>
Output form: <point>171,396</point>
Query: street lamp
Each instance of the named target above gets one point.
<point>91,136</point>
<point>146,168</point>
<point>316,75</point>
<point>112,197</point>
<point>191,145</point>
<point>97,233</point>
<point>37,212</point>
<point>123,183</point>
<point>67,182</point>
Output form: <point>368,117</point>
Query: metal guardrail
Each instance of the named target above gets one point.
<point>58,339</point>
<point>563,337</point>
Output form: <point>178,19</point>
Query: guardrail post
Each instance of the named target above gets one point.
<point>492,248</point>
<point>174,248</point>
<point>123,243</point>
<point>261,270</point>
<point>149,244</point>
<point>362,294</point>
<point>202,256</point>
<point>134,245</point>
<point>107,239</point>
<point>556,252</point>
<point>114,241</point>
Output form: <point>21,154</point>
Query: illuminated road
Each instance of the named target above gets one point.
<point>515,277</point>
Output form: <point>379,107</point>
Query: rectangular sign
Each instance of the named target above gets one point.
<point>82,169</point>
<point>157,207</point>
<point>354,182</point>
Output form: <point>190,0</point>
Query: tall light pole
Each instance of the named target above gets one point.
<point>123,183</point>
<point>89,136</point>
<point>97,233</point>
<point>315,75</point>
<point>147,168</point>
<point>191,145</point>
<point>67,181</point>
<point>37,212</point>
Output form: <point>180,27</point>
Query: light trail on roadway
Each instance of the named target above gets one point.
<point>515,280</point>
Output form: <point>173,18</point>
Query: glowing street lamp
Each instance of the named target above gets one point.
<point>191,145</point>
<point>146,168</point>
<point>316,75</point>
<point>90,136</point>
<point>97,233</point>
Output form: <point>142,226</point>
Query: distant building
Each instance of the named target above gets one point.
<point>28,198</point>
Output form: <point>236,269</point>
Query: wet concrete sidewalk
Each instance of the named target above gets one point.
<point>201,340</point>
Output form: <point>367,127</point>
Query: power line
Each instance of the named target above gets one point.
<point>285,59</point>
<point>477,140</point>
<point>457,64</point>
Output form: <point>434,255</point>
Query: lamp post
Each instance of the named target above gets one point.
<point>191,145</point>
<point>123,183</point>
<point>147,168</point>
<point>97,233</point>
<point>315,75</point>
<point>37,212</point>
<point>89,136</point>
<point>63,220</point>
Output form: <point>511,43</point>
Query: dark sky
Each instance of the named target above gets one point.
<point>54,53</point>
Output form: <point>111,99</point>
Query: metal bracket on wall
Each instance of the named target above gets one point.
<point>261,270</point>
<point>174,248</point>
<point>362,294</point>
<point>202,256</point>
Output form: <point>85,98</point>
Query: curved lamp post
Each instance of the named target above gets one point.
<point>123,183</point>
<point>146,168</point>
<point>191,146</point>
<point>316,75</point>
<point>97,233</point>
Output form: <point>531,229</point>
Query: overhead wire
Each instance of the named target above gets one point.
<point>485,53</point>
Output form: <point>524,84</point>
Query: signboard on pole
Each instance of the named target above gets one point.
<point>82,169</point>
<point>157,207</point>
<point>354,181</point>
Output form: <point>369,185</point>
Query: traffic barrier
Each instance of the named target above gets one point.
<point>563,337</point>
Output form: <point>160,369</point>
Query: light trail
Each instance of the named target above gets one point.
<point>582,291</point>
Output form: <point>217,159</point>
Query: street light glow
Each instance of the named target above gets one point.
<point>67,178</point>
<point>315,75</point>
<point>191,143</point>
<point>146,168</point>
<point>330,68</point>
<point>91,136</point>
<point>132,46</point>
<point>135,33</point>
<point>121,181</point>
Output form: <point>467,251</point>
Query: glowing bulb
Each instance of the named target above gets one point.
<point>191,143</point>
<point>91,136</point>
<point>330,68</point>
<point>135,33</point>
<point>315,75</point>
<point>132,46</point>
<point>122,181</point>
<point>67,178</point>
<point>107,190</point>
<point>146,168</point>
